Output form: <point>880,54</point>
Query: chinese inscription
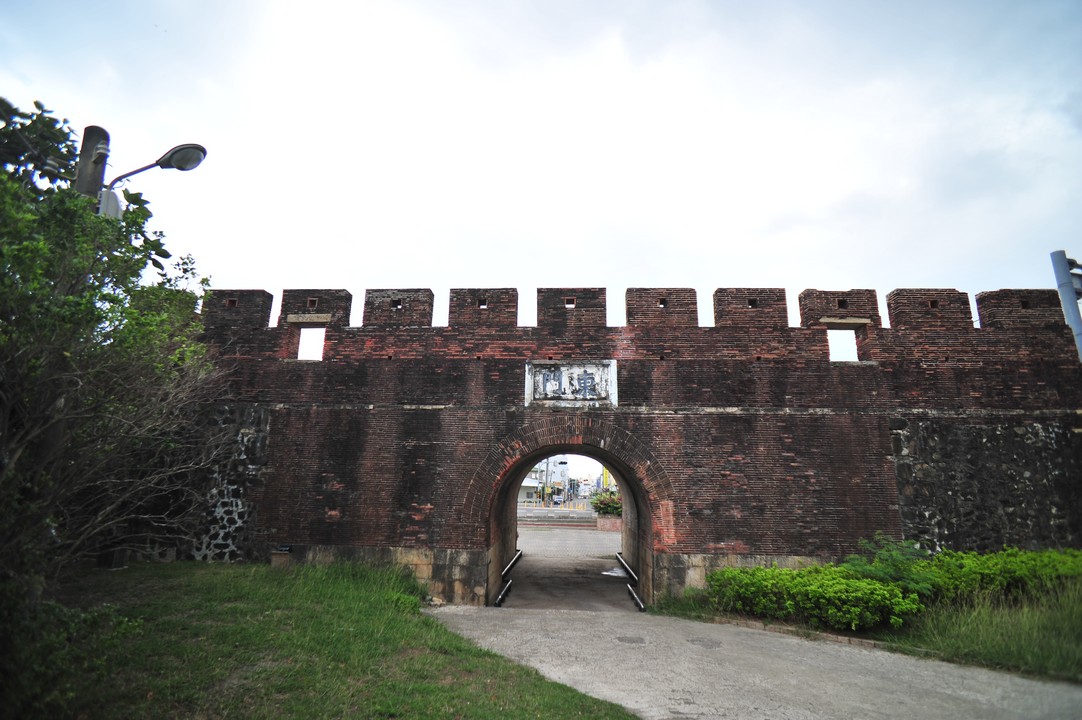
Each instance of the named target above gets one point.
<point>571,384</point>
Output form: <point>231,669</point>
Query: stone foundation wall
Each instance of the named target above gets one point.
<point>973,485</point>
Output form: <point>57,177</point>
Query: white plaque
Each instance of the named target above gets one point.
<point>572,383</point>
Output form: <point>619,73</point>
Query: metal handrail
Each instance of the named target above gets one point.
<point>627,568</point>
<point>503,593</point>
<point>515,559</point>
<point>631,591</point>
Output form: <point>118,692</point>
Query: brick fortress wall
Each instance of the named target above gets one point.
<point>744,442</point>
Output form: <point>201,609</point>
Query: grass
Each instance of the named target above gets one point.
<point>213,641</point>
<point>1039,635</point>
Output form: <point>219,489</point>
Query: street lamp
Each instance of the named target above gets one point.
<point>90,172</point>
<point>183,157</point>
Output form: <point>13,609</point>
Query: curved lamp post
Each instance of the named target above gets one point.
<point>182,157</point>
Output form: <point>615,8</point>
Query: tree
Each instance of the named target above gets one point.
<point>105,436</point>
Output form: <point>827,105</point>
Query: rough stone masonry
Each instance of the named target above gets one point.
<point>737,444</point>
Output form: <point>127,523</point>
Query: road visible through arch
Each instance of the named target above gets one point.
<point>564,568</point>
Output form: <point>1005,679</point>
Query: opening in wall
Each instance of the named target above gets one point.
<point>311,345</point>
<point>843,345</point>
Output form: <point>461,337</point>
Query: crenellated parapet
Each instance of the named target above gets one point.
<point>930,326</point>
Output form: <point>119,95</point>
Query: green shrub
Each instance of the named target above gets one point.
<point>826,596</point>
<point>47,647</point>
<point>607,503</point>
<point>891,561</point>
<point>1010,573</point>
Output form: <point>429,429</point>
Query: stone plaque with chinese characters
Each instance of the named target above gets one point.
<point>571,384</point>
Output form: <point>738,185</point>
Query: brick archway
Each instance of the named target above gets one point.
<point>490,497</point>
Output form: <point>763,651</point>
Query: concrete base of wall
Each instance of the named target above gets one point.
<point>675,573</point>
<point>451,576</point>
<point>459,577</point>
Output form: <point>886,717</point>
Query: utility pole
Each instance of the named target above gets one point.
<point>94,151</point>
<point>1069,284</point>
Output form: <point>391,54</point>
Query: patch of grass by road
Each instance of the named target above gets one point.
<point>213,641</point>
<point>1039,635</point>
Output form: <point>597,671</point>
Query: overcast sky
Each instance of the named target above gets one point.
<point>828,145</point>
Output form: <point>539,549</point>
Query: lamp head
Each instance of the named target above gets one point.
<point>183,157</point>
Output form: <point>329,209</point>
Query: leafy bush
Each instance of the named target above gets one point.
<point>46,646</point>
<point>826,596</point>
<point>895,581</point>
<point>1010,573</point>
<point>607,503</point>
<point>891,561</point>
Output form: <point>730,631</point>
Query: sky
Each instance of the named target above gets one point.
<point>424,144</point>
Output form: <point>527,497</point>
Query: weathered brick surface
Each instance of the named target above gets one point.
<point>739,443</point>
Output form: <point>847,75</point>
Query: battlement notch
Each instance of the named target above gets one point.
<point>662,307</point>
<point>839,309</point>
<point>928,309</point>
<point>315,308</point>
<point>560,309</point>
<point>398,308</point>
<point>483,308</point>
<point>751,308</point>
<point>244,309</point>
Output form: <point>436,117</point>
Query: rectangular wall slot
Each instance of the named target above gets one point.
<point>843,345</point>
<point>311,344</point>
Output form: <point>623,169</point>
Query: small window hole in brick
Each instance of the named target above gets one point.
<point>396,304</point>
<point>843,345</point>
<point>933,304</point>
<point>231,302</point>
<point>1025,304</point>
<point>660,357</point>
<point>311,344</point>
<point>663,303</point>
<point>313,303</point>
<point>569,303</point>
<point>843,304</point>
<point>482,303</point>
<point>753,302</point>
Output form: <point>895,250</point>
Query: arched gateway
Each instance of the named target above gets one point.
<point>742,443</point>
<point>641,478</point>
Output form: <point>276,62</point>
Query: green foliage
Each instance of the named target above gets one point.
<point>607,503</point>
<point>825,596</point>
<point>890,561</point>
<point>49,649</point>
<point>105,439</point>
<point>1010,573</point>
<point>892,586</point>
<point>1036,633</point>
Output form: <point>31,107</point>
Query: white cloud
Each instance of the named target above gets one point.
<point>519,144</point>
